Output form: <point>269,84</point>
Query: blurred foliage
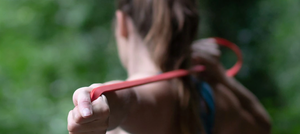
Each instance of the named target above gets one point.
<point>49,48</point>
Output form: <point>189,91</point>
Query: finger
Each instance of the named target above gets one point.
<point>96,85</point>
<point>84,125</point>
<point>72,125</point>
<point>215,51</point>
<point>208,50</point>
<point>101,108</point>
<point>203,42</point>
<point>77,117</point>
<point>208,41</point>
<point>202,49</point>
<point>91,127</point>
<point>201,58</point>
<point>84,101</point>
<point>95,126</point>
<point>80,91</point>
<point>205,46</point>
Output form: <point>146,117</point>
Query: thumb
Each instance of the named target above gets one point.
<point>84,103</point>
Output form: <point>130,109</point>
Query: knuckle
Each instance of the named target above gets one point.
<point>84,90</point>
<point>85,100</point>
<point>76,116</point>
<point>77,119</point>
<point>79,92</point>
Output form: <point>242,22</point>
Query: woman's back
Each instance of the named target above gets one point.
<point>155,111</point>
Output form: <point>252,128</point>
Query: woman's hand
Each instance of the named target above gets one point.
<point>207,53</point>
<point>88,117</point>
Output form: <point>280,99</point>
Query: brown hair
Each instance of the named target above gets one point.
<point>168,27</point>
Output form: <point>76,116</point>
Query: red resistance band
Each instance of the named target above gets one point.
<point>96,92</point>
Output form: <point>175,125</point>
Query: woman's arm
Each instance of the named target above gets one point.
<point>238,104</point>
<point>142,109</point>
<point>249,102</point>
<point>238,112</point>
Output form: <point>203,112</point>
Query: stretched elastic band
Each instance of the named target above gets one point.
<point>96,92</point>
<point>238,65</point>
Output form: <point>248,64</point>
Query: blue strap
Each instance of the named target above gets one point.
<point>207,116</point>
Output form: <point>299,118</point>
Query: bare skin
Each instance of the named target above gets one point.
<point>152,108</point>
<point>237,109</point>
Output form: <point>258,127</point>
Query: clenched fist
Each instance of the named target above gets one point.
<point>207,53</point>
<point>88,117</point>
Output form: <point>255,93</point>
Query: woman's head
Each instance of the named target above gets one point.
<point>167,28</point>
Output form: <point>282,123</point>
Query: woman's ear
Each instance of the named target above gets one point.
<point>122,27</point>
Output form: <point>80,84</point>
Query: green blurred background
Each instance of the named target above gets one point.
<point>49,48</point>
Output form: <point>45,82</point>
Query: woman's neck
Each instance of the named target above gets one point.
<point>140,63</point>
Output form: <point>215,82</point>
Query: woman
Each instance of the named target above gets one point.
<point>155,36</point>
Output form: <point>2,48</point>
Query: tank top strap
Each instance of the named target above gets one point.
<point>207,105</point>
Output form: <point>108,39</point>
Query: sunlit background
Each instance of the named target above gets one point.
<point>49,48</point>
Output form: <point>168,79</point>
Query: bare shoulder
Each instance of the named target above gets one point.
<point>155,90</point>
<point>154,110</point>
